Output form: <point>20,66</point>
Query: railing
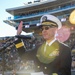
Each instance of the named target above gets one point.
<point>45,12</point>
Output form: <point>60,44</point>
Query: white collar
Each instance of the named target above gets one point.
<point>51,42</point>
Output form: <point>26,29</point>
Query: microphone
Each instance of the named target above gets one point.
<point>23,37</point>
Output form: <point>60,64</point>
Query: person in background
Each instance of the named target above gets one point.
<point>54,56</point>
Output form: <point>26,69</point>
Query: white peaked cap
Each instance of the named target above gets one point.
<point>53,19</point>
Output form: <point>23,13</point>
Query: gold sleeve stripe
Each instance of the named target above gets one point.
<point>19,45</point>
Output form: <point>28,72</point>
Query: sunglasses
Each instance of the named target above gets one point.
<point>47,27</point>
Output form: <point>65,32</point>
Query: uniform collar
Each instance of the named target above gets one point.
<point>51,42</point>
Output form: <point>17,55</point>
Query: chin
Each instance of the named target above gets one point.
<point>45,38</point>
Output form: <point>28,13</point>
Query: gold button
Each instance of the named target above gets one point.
<point>38,66</point>
<point>45,67</point>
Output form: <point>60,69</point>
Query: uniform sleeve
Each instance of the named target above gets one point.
<point>65,61</point>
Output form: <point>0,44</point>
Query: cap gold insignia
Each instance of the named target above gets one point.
<point>48,23</point>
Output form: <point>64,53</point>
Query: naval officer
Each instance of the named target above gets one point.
<point>55,56</point>
<point>52,57</point>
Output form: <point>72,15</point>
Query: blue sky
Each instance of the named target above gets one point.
<point>5,29</point>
